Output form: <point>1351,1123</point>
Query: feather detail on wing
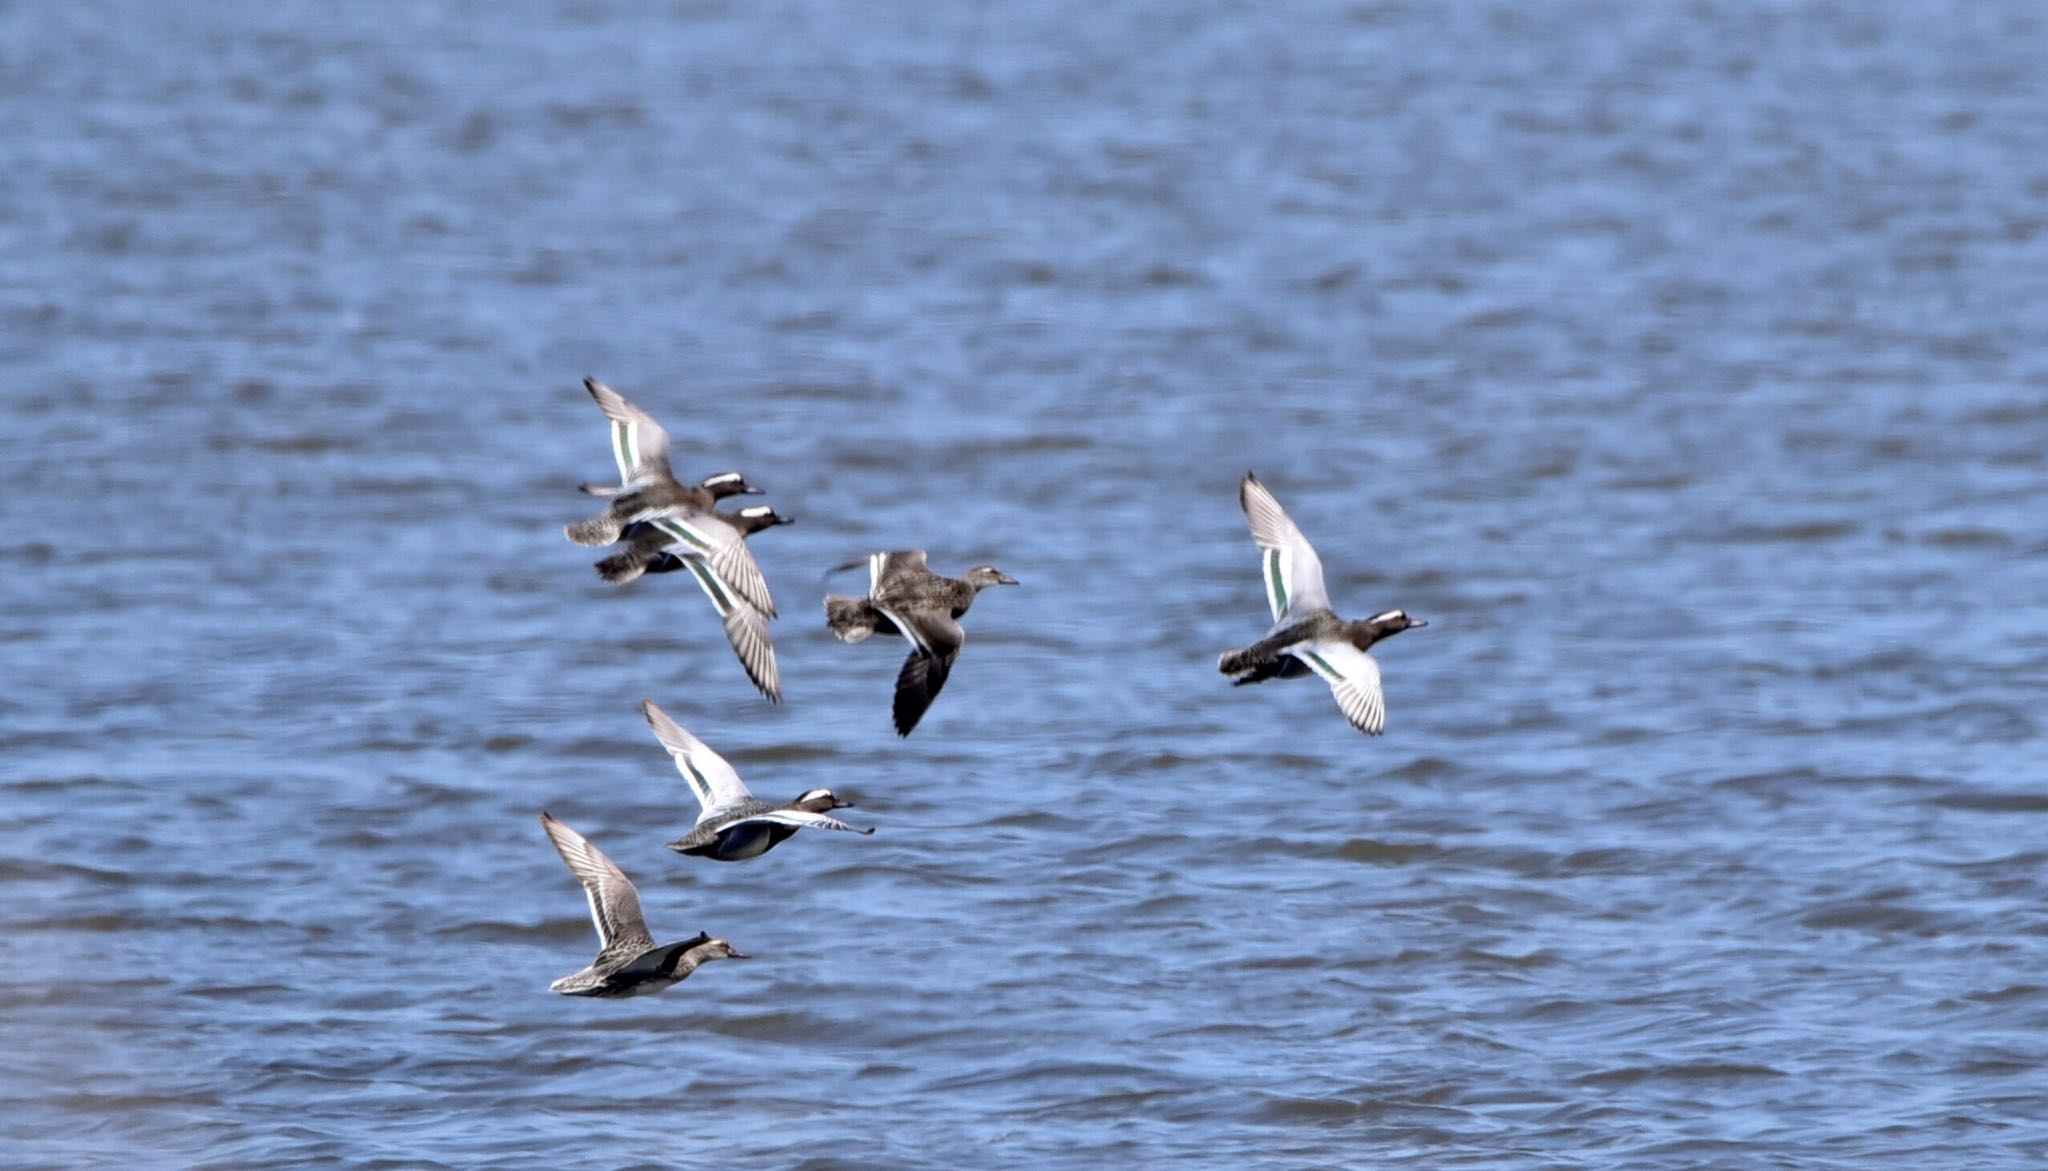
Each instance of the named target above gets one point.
<point>639,444</point>
<point>660,961</point>
<point>918,684</point>
<point>1292,572</point>
<point>884,567</point>
<point>711,778</point>
<point>1354,678</point>
<point>745,628</point>
<point>804,819</point>
<point>614,904</point>
<point>708,536</point>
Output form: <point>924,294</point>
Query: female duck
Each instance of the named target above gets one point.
<point>631,963</point>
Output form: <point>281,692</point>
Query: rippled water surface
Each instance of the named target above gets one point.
<point>1682,363</point>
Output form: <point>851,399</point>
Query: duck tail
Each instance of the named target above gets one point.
<point>602,529</point>
<point>620,568</point>
<point>1260,672</point>
<point>1253,658</point>
<point>852,619</point>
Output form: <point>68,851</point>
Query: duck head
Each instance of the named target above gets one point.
<point>983,576</point>
<point>724,484</point>
<point>1388,623</point>
<point>717,949</point>
<point>755,517</point>
<point>820,801</point>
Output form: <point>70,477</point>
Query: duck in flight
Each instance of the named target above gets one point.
<point>905,597</point>
<point>649,492</point>
<point>735,825</point>
<point>1307,636</point>
<point>631,963</point>
<point>654,549</point>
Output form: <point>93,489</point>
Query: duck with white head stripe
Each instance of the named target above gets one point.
<point>1307,636</point>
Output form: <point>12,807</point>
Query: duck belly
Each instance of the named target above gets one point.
<point>749,840</point>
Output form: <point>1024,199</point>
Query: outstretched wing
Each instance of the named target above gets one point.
<point>1354,678</point>
<point>710,777</point>
<point>706,535</point>
<point>882,567</point>
<point>745,628</point>
<point>638,443</point>
<point>1293,573</point>
<point>660,961</point>
<point>931,632</point>
<point>803,819</point>
<point>918,684</point>
<point>614,904</point>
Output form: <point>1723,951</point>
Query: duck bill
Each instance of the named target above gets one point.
<point>1005,579</point>
<point>1416,622</point>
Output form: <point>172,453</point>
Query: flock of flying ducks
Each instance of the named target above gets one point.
<point>666,526</point>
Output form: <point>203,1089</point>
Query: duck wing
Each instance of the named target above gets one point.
<point>917,685</point>
<point>745,628</point>
<point>802,819</point>
<point>661,961</point>
<point>614,903</point>
<point>885,569</point>
<point>1292,571</point>
<point>935,640</point>
<point>703,533</point>
<point>638,442</point>
<point>1354,678</point>
<point>711,778</point>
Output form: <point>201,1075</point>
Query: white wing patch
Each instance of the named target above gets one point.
<point>624,450</point>
<point>804,819</point>
<point>1293,572</point>
<point>689,538</point>
<point>707,535</point>
<point>1354,678</point>
<point>911,633</point>
<point>721,597</point>
<point>639,445</point>
<point>711,778</point>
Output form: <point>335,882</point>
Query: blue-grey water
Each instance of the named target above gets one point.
<point>1685,364</point>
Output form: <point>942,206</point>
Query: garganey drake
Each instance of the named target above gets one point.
<point>1307,636</point>
<point>649,492</point>
<point>654,549</point>
<point>735,825</point>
